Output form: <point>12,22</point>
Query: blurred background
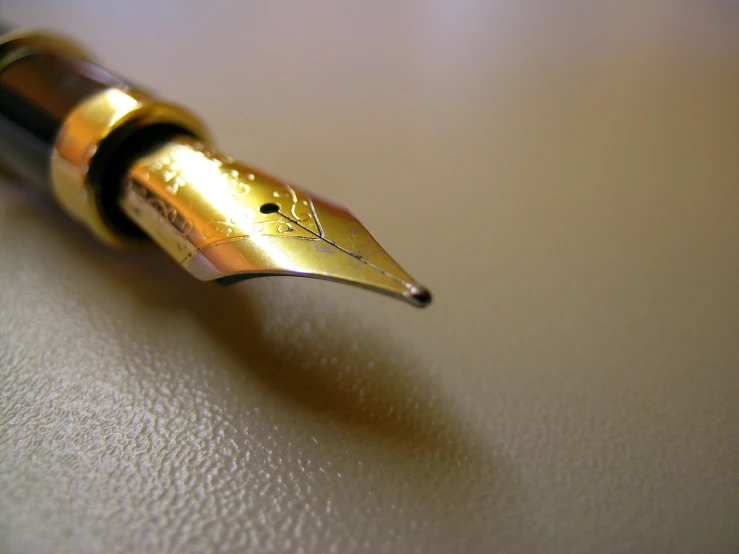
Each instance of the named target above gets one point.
<point>563,176</point>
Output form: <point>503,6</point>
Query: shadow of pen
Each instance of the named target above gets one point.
<point>311,355</point>
<point>382,406</point>
<point>379,401</point>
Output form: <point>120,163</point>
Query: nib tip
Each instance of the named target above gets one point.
<point>419,296</point>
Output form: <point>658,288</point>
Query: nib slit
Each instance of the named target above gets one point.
<point>344,250</point>
<point>415,294</point>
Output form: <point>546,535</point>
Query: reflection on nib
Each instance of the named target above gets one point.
<point>223,220</point>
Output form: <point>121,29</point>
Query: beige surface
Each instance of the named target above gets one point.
<point>564,179</point>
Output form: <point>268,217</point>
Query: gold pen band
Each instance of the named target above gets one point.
<point>108,118</point>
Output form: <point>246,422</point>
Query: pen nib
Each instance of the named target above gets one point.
<point>330,244</point>
<point>226,221</point>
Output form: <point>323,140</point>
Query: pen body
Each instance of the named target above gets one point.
<point>129,166</point>
<point>70,127</point>
<point>38,92</point>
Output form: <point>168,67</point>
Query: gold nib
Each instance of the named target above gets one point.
<point>222,220</point>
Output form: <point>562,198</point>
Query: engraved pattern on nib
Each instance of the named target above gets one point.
<point>189,171</point>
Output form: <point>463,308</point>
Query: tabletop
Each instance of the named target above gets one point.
<point>563,176</point>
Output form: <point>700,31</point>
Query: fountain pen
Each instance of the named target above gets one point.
<point>131,167</point>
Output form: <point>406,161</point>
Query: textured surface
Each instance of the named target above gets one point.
<point>573,388</point>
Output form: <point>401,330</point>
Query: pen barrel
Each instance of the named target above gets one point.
<point>70,127</point>
<point>42,79</point>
